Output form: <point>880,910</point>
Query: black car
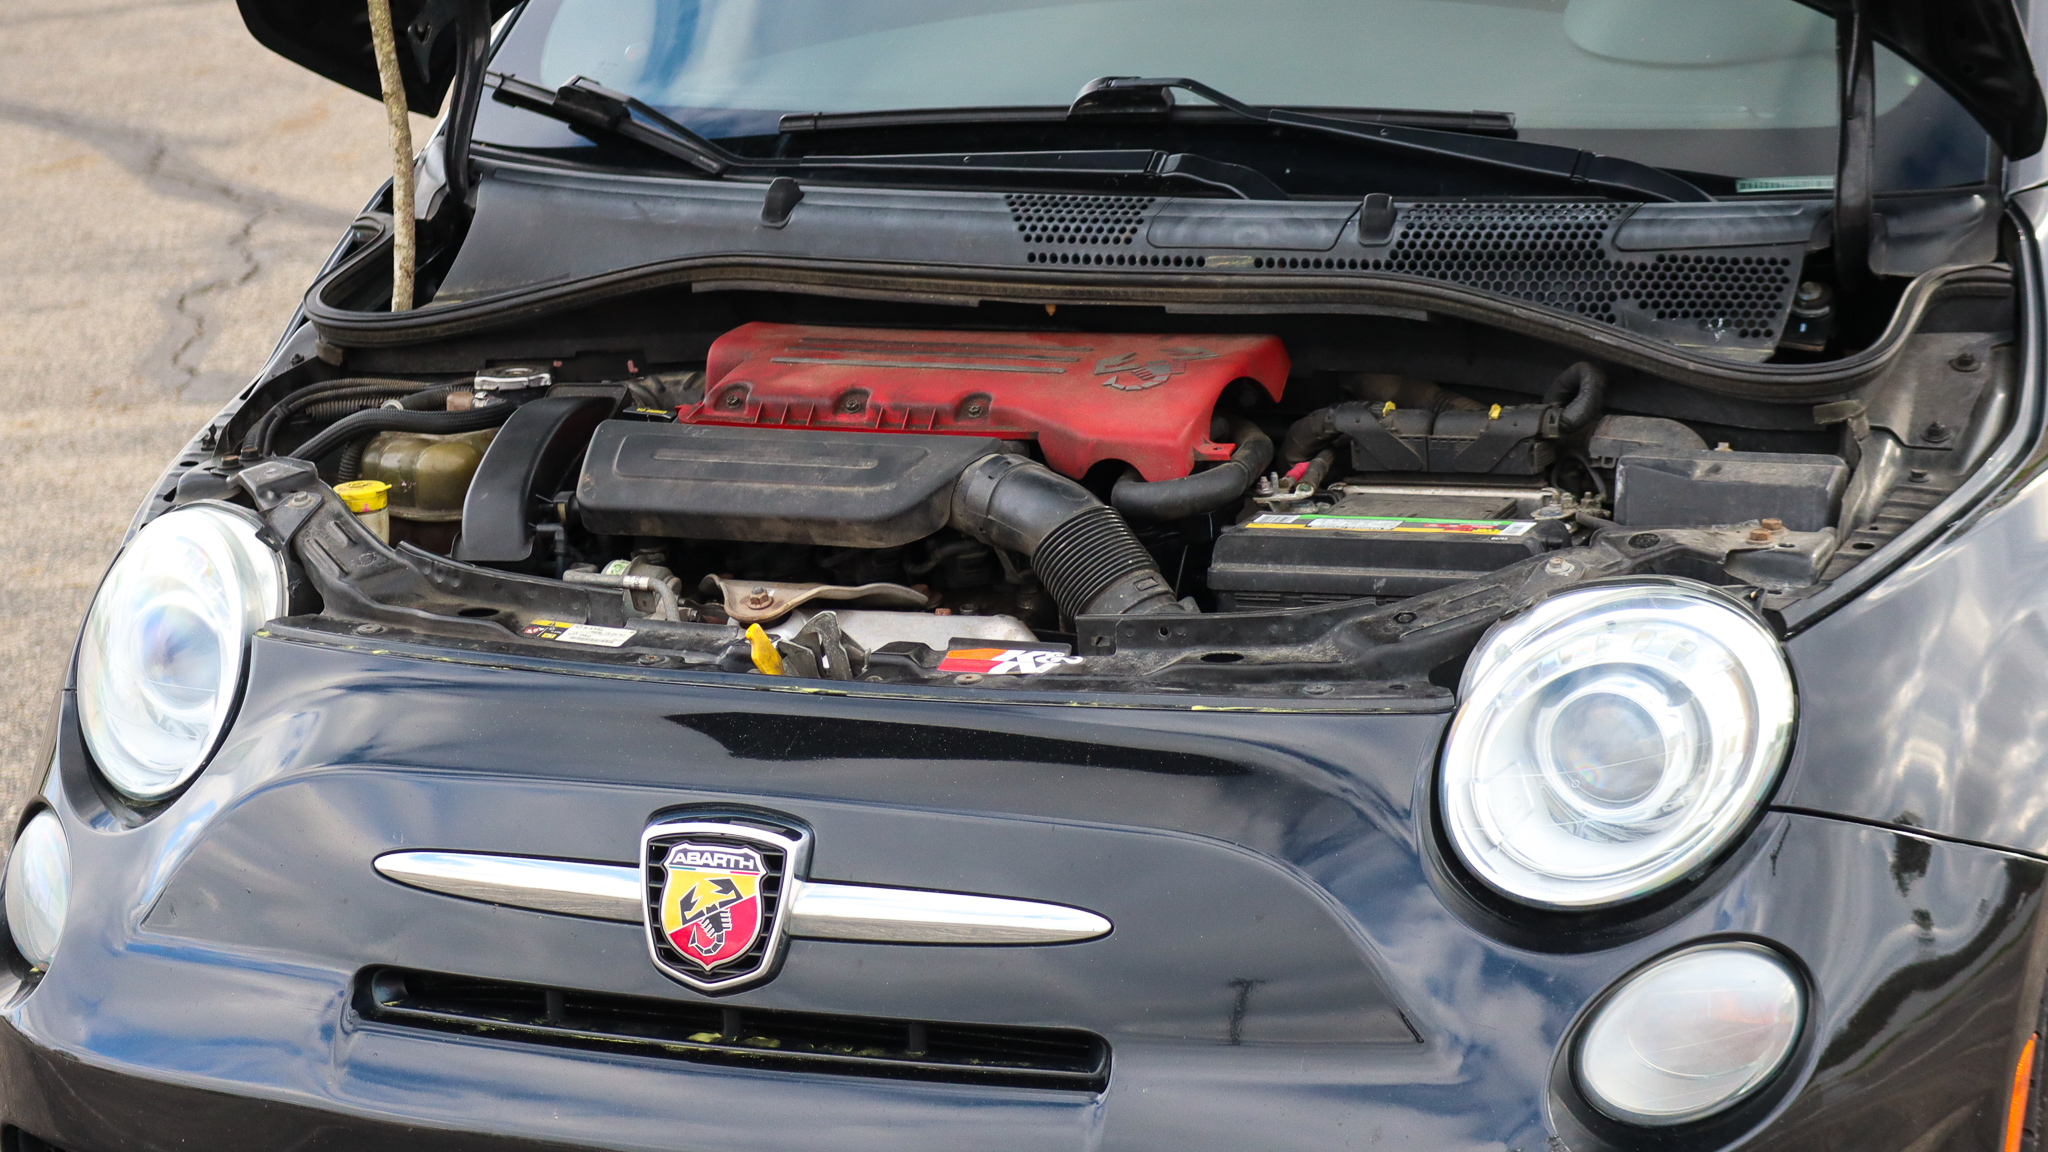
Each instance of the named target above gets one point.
<point>1140,574</point>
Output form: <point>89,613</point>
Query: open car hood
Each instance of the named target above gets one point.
<point>1977,49</point>
<point>332,38</point>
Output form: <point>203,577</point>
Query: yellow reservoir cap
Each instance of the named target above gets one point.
<point>364,495</point>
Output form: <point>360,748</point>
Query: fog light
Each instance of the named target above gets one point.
<point>38,888</point>
<point>1691,1034</point>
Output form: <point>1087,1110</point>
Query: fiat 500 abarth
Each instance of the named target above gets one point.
<point>1138,574</point>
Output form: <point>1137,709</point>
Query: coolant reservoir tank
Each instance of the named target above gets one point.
<point>429,475</point>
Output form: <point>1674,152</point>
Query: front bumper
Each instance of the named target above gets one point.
<point>1292,965</point>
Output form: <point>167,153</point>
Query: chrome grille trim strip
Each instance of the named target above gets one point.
<point>816,911</point>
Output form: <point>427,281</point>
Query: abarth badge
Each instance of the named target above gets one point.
<point>716,886</point>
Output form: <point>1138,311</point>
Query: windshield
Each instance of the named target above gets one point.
<point>1738,88</point>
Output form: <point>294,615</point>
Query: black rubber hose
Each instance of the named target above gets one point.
<point>350,466</point>
<point>328,411</point>
<point>258,439</point>
<point>1082,550</point>
<point>1219,487</point>
<point>1308,436</point>
<point>1586,386</point>
<point>400,420</point>
<point>1405,392</point>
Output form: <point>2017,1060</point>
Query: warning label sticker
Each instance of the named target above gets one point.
<point>1005,661</point>
<point>569,633</point>
<point>1394,524</point>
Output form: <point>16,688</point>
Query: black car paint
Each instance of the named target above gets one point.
<point>1260,867</point>
<point>201,998</point>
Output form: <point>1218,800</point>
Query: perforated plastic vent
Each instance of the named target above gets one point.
<point>1560,255</point>
<point>1089,221</point>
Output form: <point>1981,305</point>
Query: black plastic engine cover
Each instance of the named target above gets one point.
<point>783,486</point>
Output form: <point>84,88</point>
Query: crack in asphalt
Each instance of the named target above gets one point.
<point>166,167</point>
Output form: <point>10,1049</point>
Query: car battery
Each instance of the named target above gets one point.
<point>1362,548</point>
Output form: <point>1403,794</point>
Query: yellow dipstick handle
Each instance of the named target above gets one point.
<point>766,658</point>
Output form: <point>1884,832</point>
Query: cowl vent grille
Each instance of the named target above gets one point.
<point>1087,221</point>
<point>1562,256</point>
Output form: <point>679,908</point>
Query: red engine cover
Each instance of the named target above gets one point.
<point>1144,400</point>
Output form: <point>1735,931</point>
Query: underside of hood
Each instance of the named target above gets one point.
<point>332,38</point>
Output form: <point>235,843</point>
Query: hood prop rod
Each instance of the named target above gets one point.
<point>1855,176</point>
<point>403,242</point>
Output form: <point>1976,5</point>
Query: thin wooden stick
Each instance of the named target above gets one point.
<point>403,243</point>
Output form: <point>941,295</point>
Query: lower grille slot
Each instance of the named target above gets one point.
<point>721,1034</point>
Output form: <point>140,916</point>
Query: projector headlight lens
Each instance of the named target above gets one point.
<point>1612,739</point>
<point>38,889</point>
<point>161,659</point>
<point>1691,1034</point>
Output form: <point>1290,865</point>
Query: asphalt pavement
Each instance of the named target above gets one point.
<point>170,189</point>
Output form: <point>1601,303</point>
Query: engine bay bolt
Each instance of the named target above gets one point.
<point>1965,362</point>
<point>974,408</point>
<point>369,629</point>
<point>1316,689</point>
<point>1404,617</point>
<point>301,499</point>
<point>1813,299</point>
<point>1772,524</point>
<point>968,678</point>
<point>760,598</point>
<point>1759,536</point>
<point>1559,566</point>
<point>942,611</point>
<point>650,660</point>
<point>1936,433</point>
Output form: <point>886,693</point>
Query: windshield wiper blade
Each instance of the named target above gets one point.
<point>582,103</point>
<point>1500,124</point>
<point>1137,96</point>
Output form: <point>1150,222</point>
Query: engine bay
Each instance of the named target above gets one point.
<point>1227,504</point>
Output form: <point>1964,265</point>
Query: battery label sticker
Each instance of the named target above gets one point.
<point>569,633</point>
<point>1395,524</point>
<point>1005,661</point>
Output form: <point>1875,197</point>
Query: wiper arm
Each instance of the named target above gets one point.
<point>1128,96</point>
<point>583,103</point>
<point>1236,179</point>
<point>596,110</point>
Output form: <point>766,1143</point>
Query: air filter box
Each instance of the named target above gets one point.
<point>841,489</point>
<point>1682,488</point>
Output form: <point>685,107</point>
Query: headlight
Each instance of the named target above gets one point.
<point>38,889</point>
<point>1691,1034</point>
<point>161,660</point>
<point>1612,739</point>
